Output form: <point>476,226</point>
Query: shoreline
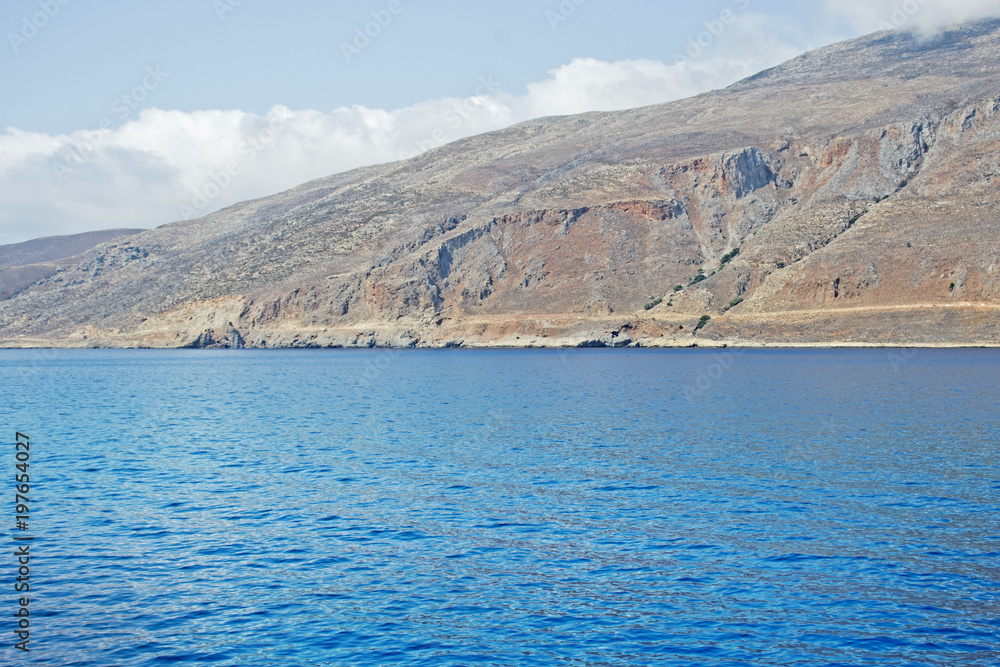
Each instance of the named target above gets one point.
<point>672,345</point>
<point>211,326</point>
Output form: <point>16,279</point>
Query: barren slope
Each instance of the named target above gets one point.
<point>857,183</point>
<point>24,264</point>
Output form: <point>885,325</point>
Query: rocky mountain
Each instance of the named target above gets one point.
<point>849,196</point>
<point>24,264</point>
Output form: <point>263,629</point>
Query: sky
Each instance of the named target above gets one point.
<point>124,114</point>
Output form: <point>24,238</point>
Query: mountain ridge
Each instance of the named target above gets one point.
<point>853,180</point>
<point>24,264</point>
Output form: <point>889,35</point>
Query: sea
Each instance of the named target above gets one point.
<point>469,507</point>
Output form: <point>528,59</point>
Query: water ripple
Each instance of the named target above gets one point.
<point>511,508</point>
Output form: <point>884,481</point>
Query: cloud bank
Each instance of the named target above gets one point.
<point>159,166</point>
<point>922,16</point>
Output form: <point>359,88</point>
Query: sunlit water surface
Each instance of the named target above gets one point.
<point>509,508</point>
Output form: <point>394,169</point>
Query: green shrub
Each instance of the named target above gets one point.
<point>732,304</point>
<point>728,257</point>
<point>654,303</point>
<point>678,288</point>
<point>702,322</point>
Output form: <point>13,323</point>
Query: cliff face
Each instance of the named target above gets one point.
<point>848,196</point>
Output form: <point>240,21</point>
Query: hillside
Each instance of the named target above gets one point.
<point>848,196</point>
<point>24,264</point>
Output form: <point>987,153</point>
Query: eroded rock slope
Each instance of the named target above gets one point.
<point>848,196</point>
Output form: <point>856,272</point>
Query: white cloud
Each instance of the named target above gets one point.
<point>167,165</point>
<point>588,84</point>
<point>722,54</point>
<point>922,16</point>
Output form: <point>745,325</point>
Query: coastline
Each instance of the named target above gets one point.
<point>528,345</point>
<point>208,326</point>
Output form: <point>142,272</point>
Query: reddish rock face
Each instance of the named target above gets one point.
<point>848,196</point>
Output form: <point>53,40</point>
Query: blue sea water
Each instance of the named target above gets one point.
<point>354,508</point>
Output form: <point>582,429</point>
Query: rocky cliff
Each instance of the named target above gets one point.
<point>846,197</point>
